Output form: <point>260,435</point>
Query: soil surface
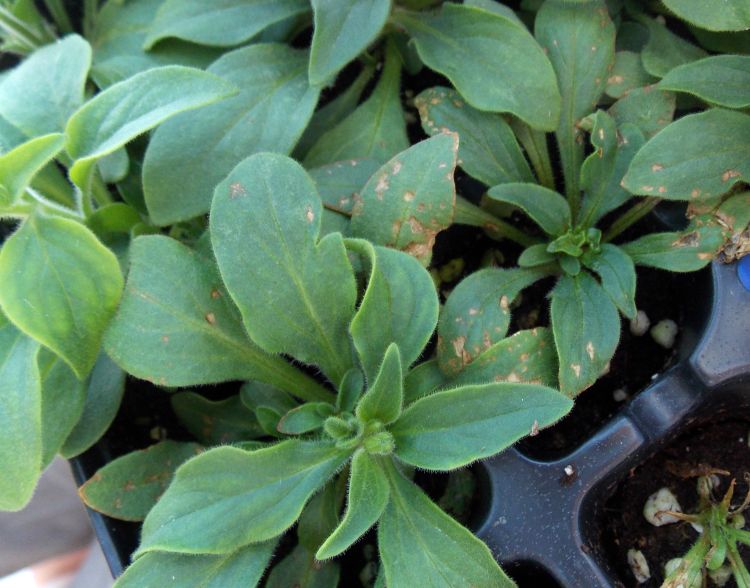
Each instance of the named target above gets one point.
<point>722,445</point>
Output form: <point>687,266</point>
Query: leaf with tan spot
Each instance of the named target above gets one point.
<point>409,200</point>
<point>586,326</point>
<point>477,314</point>
<point>696,157</point>
<point>128,487</point>
<point>648,108</point>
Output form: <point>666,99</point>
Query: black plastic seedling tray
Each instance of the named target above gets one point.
<point>546,517</point>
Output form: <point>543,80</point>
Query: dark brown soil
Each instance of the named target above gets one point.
<point>722,445</point>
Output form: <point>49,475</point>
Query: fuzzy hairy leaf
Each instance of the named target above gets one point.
<point>343,29</point>
<point>20,416</point>
<point>617,273</point>
<point>409,200</point>
<point>586,326</point>
<point>467,44</point>
<point>220,23</point>
<point>367,499</point>
<point>188,156</point>
<point>375,130</point>
<point>302,570</point>
<point>476,315</point>
<point>545,207</point>
<point>723,80</point>
<point>399,306</point>
<point>19,165</point>
<point>487,150</point>
<point>579,39</point>
<point>39,95</point>
<point>296,293</point>
<point>453,428</point>
<point>60,286</point>
<point>128,487</point>
<point>684,251</point>
<point>384,398</point>
<point>243,567</point>
<point>698,156</point>
<point>731,15</point>
<point>105,388</point>
<point>177,326</point>
<point>130,108</point>
<point>305,418</point>
<point>215,422</point>
<point>206,511</point>
<point>448,555</point>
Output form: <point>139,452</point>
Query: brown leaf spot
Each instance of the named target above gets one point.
<point>129,486</point>
<point>396,167</point>
<point>210,318</point>
<point>695,193</point>
<point>382,186</point>
<point>657,167</point>
<point>409,196</point>
<point>504,303</point>
<point>236,190</point>
<point>729,174</point>
<point>165,338</point>
<point>615,80</point>
<point>534,429</point>
<point>473,311</point>
<point>647,188</point>
<point>688,240</point>
<point>576,369</point>
<point>662,189</point>
<point>215,293</point>
<point>309,215</point>
<point>590,350</point>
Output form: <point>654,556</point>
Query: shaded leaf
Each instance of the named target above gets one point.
<point>215,422</point>
<point>467,44</point>
<point>586,326</point>
<point>128,487</point>
<point>698,156</point>
<point>617,273</point>
<point>423,379</point>
<point>649,108</point>
<point>453,428</point>
<point>627,74</point>
<point>296,293</point>
<point>19,165</point>
<point>206,511</point>
<point>665,50</point>
<point>544,206</point>
<point>301,570</point>
<point>305,418</point>
<point>731,15</point>
<point>188,156</point>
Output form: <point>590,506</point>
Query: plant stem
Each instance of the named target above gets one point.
<point>20,32</point>
<point>631,216</point>
<point>535,144</point>
<point>100,192</point>
<point>470,214</point>
<point>59,15</point>
<point>90,12</point>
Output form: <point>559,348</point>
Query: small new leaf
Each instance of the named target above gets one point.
<point>384,398</point>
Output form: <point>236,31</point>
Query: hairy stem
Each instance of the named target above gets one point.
<point>535,144</point>
<point>470,214</point>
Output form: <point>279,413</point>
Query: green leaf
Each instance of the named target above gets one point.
<point>343,30</point>
<point>190,155</point>
<point>368,497</point>
<point>60,286</point>
<point>399,306</point>
<point>723,80</point>
<point>305,418</point>
<point>603,170</point>
<point>105,388</point>
<point>544,206</point>
<point>243,567</point>
<point>206,511</point>
<point>128,487</point>
<point>648,108</point>
<point>467,44</point>
<point>296,293</point>
<point>300,569</point>
<point>420,545</point>
<point>698,156</point>
<point>19,166</point>
<point>321,515</point>
<point>338,184</point>
<point>453,428</point>
<point>586,326</point>
<point>130,108</point>
<point>477,314</point>
<point>20,417</point>
<point>220,23</point>
<point>39,95</point>
<point>422,380</point>
<point>579,39</point>
<point>215,422</point>
<point>113,219</point>
<point>410,199</point>
<point>384,398</point>
<point>627,74</point>
<point>351,388</point>
<point>177,326</point>
<point>63,397</point>
<point>488,150</point>
<point>617,273</point>
<point>375,130</point>
<point>665,50</point>
<point>118,38</point>
<point>527,356</point>
<point>731,15</point>
<point>685,251</point>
